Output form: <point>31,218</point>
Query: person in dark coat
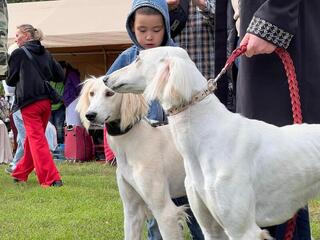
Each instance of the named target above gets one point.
<point>32,98</point>
<point>262,88</point>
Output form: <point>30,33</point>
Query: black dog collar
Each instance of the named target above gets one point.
<point>114,128</point>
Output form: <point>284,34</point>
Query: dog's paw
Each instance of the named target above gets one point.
<point>265,235</point>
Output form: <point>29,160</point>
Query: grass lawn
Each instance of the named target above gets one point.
<point>86,207</point>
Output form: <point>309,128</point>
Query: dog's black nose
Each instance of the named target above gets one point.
<point>105,79</point>
<point>91,116</point>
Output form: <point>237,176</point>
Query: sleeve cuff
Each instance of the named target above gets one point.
<point>269,32</point>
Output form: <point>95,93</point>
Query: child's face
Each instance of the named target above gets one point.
<point>149,30</point>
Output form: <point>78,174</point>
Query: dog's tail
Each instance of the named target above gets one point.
<point>265,235</point>
<point>182,214</point>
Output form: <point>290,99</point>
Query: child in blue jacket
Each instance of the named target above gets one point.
<point>148,26</point>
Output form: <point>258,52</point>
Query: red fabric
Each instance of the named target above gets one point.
<point>107,150</point>
<point>36,149</point>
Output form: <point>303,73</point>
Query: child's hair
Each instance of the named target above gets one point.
<point>36,34</point>
<point>144,11</point>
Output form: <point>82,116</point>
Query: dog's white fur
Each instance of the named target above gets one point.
<point>150,170</point>
<point>241,174</point>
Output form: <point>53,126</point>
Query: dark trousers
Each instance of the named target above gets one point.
<point>58,119</point>
<point>302,230</point>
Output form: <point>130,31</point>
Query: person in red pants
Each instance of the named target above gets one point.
<point>32,98</point>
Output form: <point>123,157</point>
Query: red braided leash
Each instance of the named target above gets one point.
<point>293,84</point>
<point>295,102</point>
<point>297,116</point>
<point>290,72</point>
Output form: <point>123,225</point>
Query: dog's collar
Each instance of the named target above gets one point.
<point>195,98</point>
<point>114,128</point>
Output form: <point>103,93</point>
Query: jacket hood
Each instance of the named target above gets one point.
<point>35,47</point>
<point>161,6</point>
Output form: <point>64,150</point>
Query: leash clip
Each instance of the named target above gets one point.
<point>221,73</point>
<point>236,53</point>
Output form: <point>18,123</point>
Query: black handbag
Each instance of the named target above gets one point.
<point>179,17</point>
<point>54,96</point>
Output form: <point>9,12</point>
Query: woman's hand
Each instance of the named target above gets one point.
<point>172,4</point>
<point>256,45</point>
<point>200,3</point>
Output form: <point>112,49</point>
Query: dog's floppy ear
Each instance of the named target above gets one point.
<point>133,108</point>
<point>177,89</point>
<point>172,75</point>
<point>83,103</point>
<point>159,81</point>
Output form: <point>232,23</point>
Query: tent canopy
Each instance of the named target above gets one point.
<point>87,33</point>
<point>70,23</point>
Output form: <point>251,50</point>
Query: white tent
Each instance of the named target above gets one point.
<point>87,33</point>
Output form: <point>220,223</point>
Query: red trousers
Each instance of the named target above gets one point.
<point>107,150</point>
<point>37,154</point>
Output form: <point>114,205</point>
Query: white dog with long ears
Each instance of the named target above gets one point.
<point>241,174</point>
<point>150,170</point>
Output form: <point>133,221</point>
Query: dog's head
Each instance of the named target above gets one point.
<point>165,73</point>
<point>99,104</point>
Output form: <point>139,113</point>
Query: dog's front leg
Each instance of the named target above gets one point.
<point>234,205</point>
<point>134,210</point>
<point>169,217</point>
<point>209,226</point>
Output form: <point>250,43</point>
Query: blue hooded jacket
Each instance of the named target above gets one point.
<point>130,54</point>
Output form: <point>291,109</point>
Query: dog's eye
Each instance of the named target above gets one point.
<point>109,94</point>
<point>91,94</point>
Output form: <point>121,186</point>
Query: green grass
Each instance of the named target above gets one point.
<point>314,208</point>
<point>86,207</point>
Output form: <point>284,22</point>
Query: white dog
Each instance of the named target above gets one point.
<point>241,174</point>
<point>150,170</point>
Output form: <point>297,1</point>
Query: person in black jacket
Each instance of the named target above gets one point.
<point>34,102</point>
<point>262,87</point>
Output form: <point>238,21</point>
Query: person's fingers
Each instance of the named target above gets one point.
<point>249,53</point>
<point>270,48</point>
<point>245,40</point>
<point>251,47</point>
<point>173,4</point>
<point>257,45</point>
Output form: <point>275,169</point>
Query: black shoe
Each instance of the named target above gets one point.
<point>8,170</point>
<point>16,180</point>
<point>57,183</point>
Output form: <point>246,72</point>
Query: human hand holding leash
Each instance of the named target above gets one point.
<point>200,3</point>
<point>172,4</point>
<point>256,45</point>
